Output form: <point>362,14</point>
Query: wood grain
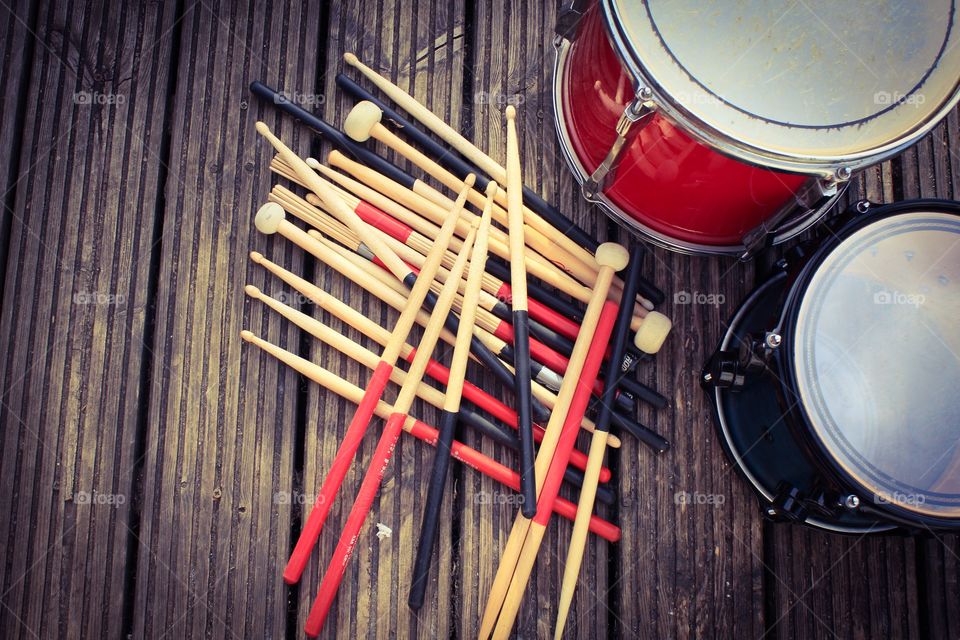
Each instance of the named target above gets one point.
<point>220,448</point>
<point>76,300</point>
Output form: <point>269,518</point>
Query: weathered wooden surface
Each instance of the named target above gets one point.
<point>155,468</point>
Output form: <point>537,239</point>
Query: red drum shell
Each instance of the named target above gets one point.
<point>668,182</point>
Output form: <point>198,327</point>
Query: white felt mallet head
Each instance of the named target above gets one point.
<point>613,255</point>
<point>361,120</point>
<point>269,217</point>
<point>652,332</point>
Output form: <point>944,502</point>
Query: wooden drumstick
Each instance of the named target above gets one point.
<point>610,258</point>
<point>270,219</point>
<point>336,205</point>
<point>431,395</point>
<point>411,247</point>
<point>333,576</point>
<point>363,122</point>
<point>521,321</point>
<point>377,333</point>
<point>649,339</point>
<point>422,431</point>
<point>447,133</point>
<point>578,538</point>
<point>448,418</point>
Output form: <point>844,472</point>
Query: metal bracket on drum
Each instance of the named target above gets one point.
<point>568,19</point>
<point>641,107</point>
<point>813,197</point>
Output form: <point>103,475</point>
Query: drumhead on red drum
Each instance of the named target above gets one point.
<point>802,86</point>
<point>875,358</point>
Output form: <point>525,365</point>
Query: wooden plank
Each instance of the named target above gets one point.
<point>220,451</point>
<point>419,45</point>
<point>75,305</point>
<point>16,22</point>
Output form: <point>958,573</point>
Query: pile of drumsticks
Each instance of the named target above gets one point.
<point>426,255</point>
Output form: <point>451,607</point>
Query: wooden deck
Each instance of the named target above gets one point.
<point>149,457</point>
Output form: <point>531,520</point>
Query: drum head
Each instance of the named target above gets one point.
<point>804,86</point>
<point>875,351</point>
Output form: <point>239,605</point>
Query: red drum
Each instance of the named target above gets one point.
<point>714,128</point>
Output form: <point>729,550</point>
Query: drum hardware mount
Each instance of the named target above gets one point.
<point>789,504</point>
<point>568,20</point>
<point>813,197</point>
<point>640,108</point>
<point>732,368</point>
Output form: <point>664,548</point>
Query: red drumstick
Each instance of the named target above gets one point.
<point>385,446</point>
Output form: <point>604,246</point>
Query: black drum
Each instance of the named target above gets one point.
<point>837,384</point>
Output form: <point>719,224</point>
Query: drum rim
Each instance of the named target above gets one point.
<point>826,166</point>
<point>727,441</point>
<point>785,358</point>
<point>580,173</point>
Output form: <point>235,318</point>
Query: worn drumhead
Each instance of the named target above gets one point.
<point>797,85</point>
<point>876,360</point>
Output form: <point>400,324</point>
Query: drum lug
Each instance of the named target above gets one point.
<point>811,198</point>
<point>640,108</point>
<point>788,505</point>
<point>731,369</point>
<point>568,20</point>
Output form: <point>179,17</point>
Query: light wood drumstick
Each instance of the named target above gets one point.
<point>373,331</point>
<point>449,416</point>
<point>363,122</point>
<point>422,431</point>
<point>333,576</point>
<point>521,320</point>
<point>539,268</point>
<point>611,258</point>
<point>431,395</point>
<point>447,133</point>
<point>578,538</point>
<point>336,205</point>
<point>271,219</point>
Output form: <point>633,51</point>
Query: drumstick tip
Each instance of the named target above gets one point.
<point>313,163</point>
<point>252,291</point>
<point>511,112</point>
<point>269,217</point>
<point>492,188</point>
<point>257,257</point>
<point>247,335</point>
<point>350,59</point>
<point>470,180</point>
<point>262,128</point>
